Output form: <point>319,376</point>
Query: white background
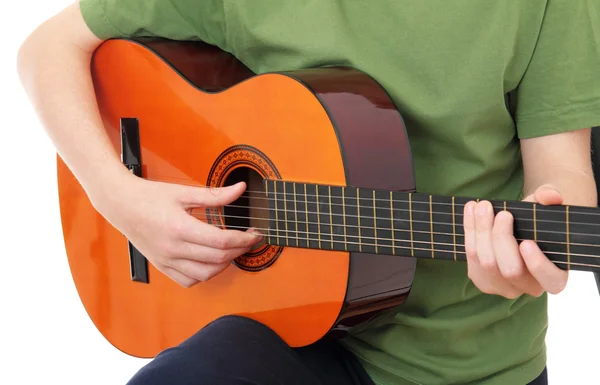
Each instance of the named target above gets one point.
<point>45,334</point>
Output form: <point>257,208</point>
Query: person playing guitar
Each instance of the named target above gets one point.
<point>498,99</point>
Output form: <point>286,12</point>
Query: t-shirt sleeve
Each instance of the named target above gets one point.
<point>560,90</point>
<point>171,19</point>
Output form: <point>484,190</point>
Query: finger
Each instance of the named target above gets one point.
<point>195,231</point>
<point>546,195</point>
<point>199,271</point>
<point>211,196</point>
<point>550,277</point>
<point>509,259</point>
<point>469,230</point>
<point>178,277</point>
<point>205,254</point>
<point>484,221</point>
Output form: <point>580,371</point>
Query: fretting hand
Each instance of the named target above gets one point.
<point>497,264</point>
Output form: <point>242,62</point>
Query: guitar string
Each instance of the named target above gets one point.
<point>199,216</point>
<point>537,220</point>
<point>329,235</point>
<point>428,250</point>
<point>537,230</point>
<point>539,208</point>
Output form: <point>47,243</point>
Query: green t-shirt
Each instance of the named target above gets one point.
<point>448,67</point>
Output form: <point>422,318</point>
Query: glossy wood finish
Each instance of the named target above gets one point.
<point>374,146</point>
<point>182,131</point>
<point>377,154</point>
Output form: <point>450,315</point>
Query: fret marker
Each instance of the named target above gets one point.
<point>410,220</point>
<point>431,224</point>
<point>392,220</point>
<point>568,242</point>
<point>344,217</point>
<point>287,234</point>
<point>296,215</point>
<point>453,229</point>
<point>375,221</point>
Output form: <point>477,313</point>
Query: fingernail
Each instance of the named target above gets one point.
<point>482,209</point>
<point>469,207</point>
<point>255,232</point>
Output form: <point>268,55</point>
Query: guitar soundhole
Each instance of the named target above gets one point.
<point>252,208</point>
<point>250,165</point>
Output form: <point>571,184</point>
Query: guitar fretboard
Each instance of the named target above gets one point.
<point>418,225</point>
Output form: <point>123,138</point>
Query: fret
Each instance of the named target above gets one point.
<point>344,218</point>
<point>352,235</point>
<point>301,214</point>
<point>285,211</point>
<point>410,209</point>
<point>368,241</point>
<point>454,226</point>
<point>330,217</point>
<point>360,247</point>
<point>276,211</point>
<point>431,226</point>
<point>567,236</point>
<point>296,215</point>
<point>534,224</point>
<point>324,214</point>
<point>375,221</point>
<point>318,215</point>
<point>582,236</point>
<point>271,206</point>
<point>392,223</point>
<point>445,238</point>
<point>401,223</point>
<point>383,225</point>
<point>421,223</point>
<point>291,227</point>
<point>312,213</point>
<point>338,218</point>
<point>549,230</point>
<point>307,219</point>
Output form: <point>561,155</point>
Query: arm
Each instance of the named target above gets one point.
<point>54,67</point>
<point>557,171</point>
<point>562,160</point>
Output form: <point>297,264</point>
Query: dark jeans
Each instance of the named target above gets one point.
<point>239,351</point>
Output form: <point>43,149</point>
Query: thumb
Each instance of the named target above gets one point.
<point>546,195</point>
<point>212,196</point>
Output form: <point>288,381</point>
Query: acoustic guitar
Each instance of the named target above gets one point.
<point>330,182</point>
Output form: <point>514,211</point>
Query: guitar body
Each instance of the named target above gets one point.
<point>203,118</point>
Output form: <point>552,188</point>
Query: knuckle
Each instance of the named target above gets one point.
<point>513,272</point>
<point>221,257</point>
<point>489,264</point>
<point>222,243</point>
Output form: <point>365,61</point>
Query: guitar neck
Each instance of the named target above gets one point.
<point>418,225</point>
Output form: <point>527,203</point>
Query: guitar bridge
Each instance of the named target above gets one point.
<point>131,158</point>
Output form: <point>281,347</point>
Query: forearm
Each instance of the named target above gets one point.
<point>55,72</point>
<point>564,161</point>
